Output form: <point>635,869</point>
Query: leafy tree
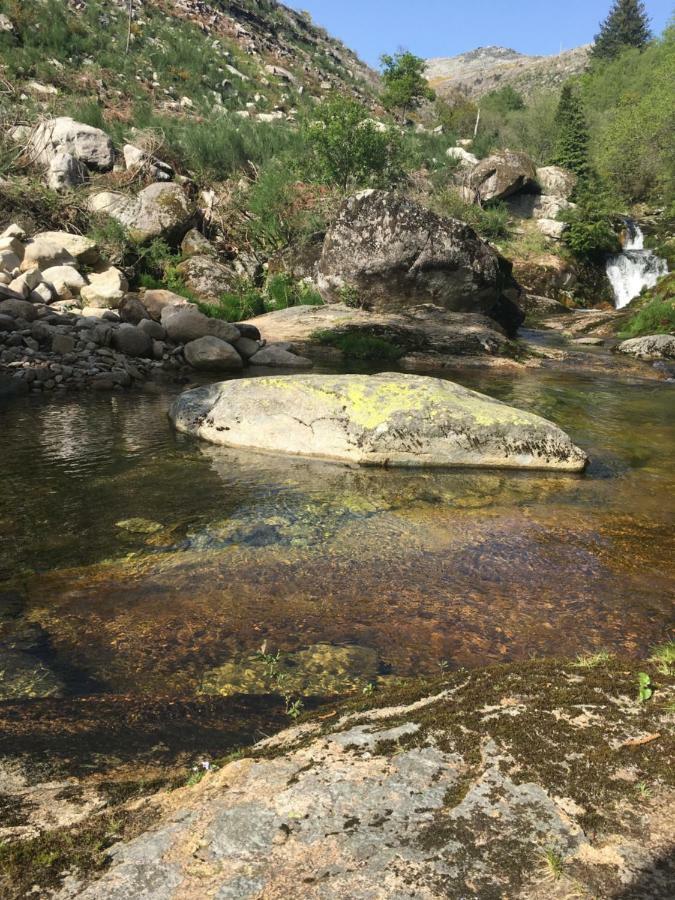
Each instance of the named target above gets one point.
<point>591,230</point>
<point>348,148</point>
<point>571,148</point>
<point>627,25</point>
<point>630,101</point>
<point>456,113</point>
<point>405,86</point>
<point>504,100</point>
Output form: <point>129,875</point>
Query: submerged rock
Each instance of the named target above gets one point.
<point>23,676</point>
<point>381,420</point>
<point>321,669</point>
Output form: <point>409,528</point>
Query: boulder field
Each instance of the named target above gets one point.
<point>374,420</point>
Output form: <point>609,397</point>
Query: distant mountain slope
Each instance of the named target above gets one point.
<point>489,68</point>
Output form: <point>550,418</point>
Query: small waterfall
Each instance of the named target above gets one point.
<point>634,269</point>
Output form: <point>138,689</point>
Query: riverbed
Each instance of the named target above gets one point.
<point>135,561</point>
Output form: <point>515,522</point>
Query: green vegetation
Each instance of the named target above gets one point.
<point>405,86</point>
<point>632,119</point>
<point>663,657</point>
<point>571,149</point>
<point>347,148</point>
<point>627,25</point>
<point>554,862</point>
<point>279,292</point>
<point>81,849</point>
<point>645,689</point>
<point>653,312</point>
<point>591,660</point>
<point>591,231</point>
<point>504,100</point>
<point>357,345</point>
<point>491,223</point>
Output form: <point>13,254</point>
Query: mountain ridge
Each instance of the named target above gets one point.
<point>484,69</point>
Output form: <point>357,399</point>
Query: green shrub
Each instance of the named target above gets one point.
<point>347,149</point>
<point>591,230</point>
<point>491,223</point>
<point>356,345</point>
<point>279,210</point>
<point>283,291</point>
<point>654,312</point>
<point>235,307</point>
<point>280,292</point>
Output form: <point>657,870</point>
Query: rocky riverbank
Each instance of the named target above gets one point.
<point>68,321</point>
<point>538,779</point>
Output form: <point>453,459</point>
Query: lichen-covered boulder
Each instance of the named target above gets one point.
<point>556,181</point>
<point>88,145</point>
<point>381,420</point>
<point>160,210</point>
<point>503,174</point>
<point>186,323</point>
<point>651,346</point>
<point>386,253</point>
<point>207,278</point>
<point>212,354</point>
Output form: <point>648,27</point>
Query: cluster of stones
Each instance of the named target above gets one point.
<point>67,320</point>
<point>511,177</point>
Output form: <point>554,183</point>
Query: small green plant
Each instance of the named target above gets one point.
<point>368,689</point>
<point>198,772</point>
<point>645,689</point>
<point>554,862</point>
<point>592,660</point>
<point>663,657</point>
<point>643,789</point>
<point>349,295</point>
<point>294,707</point>
<point>491,223</point>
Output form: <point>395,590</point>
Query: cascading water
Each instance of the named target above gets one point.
<point>635,269</point>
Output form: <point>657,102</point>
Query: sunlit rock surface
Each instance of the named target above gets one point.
<point>382,420</point>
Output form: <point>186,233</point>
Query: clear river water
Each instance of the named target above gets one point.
<point>352,574</point>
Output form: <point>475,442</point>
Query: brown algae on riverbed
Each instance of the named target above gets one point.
<point>421,568</point>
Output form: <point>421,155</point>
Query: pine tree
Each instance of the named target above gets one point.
<point>627,25</point>
<point>571,148</point>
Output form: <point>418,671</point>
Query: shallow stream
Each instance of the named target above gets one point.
<point>137,561</point>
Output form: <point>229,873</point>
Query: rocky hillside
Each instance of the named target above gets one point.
<point>253,56</point>
<point>488,68</point>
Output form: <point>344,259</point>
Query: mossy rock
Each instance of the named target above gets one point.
<point>322,669</point>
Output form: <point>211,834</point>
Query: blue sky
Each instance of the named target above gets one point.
<point>447,27</point>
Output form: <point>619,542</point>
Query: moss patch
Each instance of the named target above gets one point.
<point>80,850</point>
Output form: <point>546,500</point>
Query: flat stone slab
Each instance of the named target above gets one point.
<point>377,420</point>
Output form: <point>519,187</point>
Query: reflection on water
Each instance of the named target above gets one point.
<point>234,549</point>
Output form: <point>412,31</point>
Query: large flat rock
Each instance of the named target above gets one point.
<point>505,783</point>
<point>424,328</point>
<point>378,420</point>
